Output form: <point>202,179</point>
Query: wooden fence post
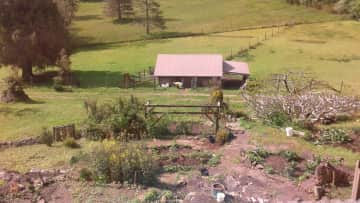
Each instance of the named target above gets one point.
<point>356,184</point>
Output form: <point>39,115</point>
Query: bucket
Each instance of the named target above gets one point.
<point>289,131</point>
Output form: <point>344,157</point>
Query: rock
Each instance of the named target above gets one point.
<point>211,139</point>
<point>181,183</point>
<point>204,172</point>
<point>198,197</point>
<point>259,166</point>
<point>231,183</point>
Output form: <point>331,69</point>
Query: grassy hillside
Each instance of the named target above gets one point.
<point>195,16</point>
<point>330,50</point>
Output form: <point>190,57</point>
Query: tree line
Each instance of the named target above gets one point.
<point>351,7</point>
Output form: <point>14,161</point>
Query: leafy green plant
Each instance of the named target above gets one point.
<point>289,155</point>
<point>71,143</point>
<point>311,164</point>
<point>333,136</point>
<point>290,169</point>
<point>46,137</point>
<point>257,156</point>
<point>214,160</point>
<point>269,170</point>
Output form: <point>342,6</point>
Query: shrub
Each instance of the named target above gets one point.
<point>183,129</point>
<point>123,120</point>
<point>223,136</point>
<point>151,196</point>
<point>85,174</point>
<point>333,136</point>
<point>289,155</point>
<point>159,130</point>
<point>46,137</point>
<point>168,195</point>
<point>257,156</point>
<point>131,162</point>
<point>216,96</point>
<point>71,143</point>
<point>279,119</point>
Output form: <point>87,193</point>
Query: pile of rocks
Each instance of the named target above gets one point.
<point>14,184</point>
<point>20,143</point>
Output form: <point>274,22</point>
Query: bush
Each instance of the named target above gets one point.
<point>71,143</point>
<point>159,130</point>
<point>279,119</point>
<point>130,162</point>
<point>46,137</point>
<point>122,120</point>
<point>151,196</point>
<point>223,136</point>
<point>257,156</point>
<point>183,129</point>
<point>85,174</point>
<point>333,136</point>
<point>289,156</point>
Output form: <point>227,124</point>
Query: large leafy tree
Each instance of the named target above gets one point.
<point>32,34</point>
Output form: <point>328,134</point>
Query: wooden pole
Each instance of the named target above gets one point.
<point>355,195</point>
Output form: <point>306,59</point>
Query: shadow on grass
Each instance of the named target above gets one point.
<point>87,17</point>
<point>95,79</point>
<point>84,44</point>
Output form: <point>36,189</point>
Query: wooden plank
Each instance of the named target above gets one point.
<point>356,184</point>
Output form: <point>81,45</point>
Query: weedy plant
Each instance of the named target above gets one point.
<point>257,156</point>
<point>123,162</point>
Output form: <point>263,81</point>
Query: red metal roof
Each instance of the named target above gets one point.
<point>188,65</point>
<point>236,67</point>
<point>198,65</point>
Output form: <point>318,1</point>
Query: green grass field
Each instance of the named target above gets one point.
<point>196,16</point>
<point>330,50</point>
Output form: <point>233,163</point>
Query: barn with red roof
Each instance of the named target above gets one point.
<point>199,70</point>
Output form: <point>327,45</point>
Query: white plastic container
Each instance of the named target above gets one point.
<point>220,197</point>
<point>289,131</point>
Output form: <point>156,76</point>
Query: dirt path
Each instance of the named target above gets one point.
<point>246,183</point>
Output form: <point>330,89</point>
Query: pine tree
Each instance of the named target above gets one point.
<point>152,15</point>
<point>120,9</point>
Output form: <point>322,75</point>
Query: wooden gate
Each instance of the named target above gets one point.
<point>212,112</point>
